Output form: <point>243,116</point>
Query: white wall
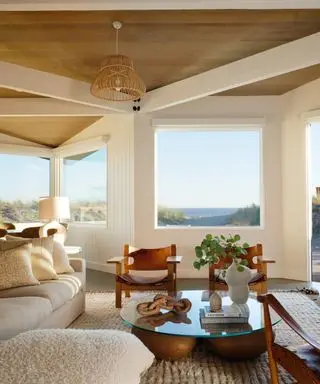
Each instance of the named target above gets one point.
<point>295,189</point>
<point>100,243</point>
<point>146,235</point>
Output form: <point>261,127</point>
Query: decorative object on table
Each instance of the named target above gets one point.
<point>164,302</point>
<point>163,318</point>
<point>215,248</point>
<point>54,209</point>
<point>215,302</point>
<point>229,314</point>
<point>302,361</point>
<point>117,79</point>
<point>163,260</point>
<point>237,281</point>
<point>219,252</point>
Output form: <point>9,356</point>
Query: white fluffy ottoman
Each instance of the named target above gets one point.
<point>72,356</point>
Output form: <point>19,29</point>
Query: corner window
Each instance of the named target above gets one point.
<point>85,183</point>
<point>208,178</point>
<point>24,179</point>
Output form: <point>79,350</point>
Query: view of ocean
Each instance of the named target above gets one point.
<point>206,212</point>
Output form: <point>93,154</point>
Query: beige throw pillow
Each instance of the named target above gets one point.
<point>15,267</point>
<point>41,256</point>
<point>60,259</point>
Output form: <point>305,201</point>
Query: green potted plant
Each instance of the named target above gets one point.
<point>214,248</point>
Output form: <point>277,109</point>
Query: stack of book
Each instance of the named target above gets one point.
<point>230,314</point>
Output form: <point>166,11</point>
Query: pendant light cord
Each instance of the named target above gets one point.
<point>117,41</point>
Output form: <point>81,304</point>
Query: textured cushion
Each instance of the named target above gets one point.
<point>19,314</point>
<point>15,267</point>
<point>57,291</point>
<point>72,356</point>
<point>60,259</point>
<point>41,256</point>
<point>128,278</point>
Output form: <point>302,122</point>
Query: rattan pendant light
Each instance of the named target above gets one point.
<point>117,79</point>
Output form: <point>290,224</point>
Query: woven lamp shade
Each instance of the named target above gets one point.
<point>118,80</point>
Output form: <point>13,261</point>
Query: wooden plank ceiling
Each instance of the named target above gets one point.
<point>50,131</point>
<point>10,93</point>
<point>276,85</point>
<point>166,45</point>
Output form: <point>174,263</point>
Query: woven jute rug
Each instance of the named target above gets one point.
<point>202,367</point>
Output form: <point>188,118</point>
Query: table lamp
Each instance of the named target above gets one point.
<point>54,209</point>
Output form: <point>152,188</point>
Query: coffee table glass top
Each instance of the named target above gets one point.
<point>189,324</point>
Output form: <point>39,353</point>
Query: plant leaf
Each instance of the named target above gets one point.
<point>196,265</point>
<point>240,268</point>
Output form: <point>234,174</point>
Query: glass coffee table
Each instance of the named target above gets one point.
<point>171,336</point>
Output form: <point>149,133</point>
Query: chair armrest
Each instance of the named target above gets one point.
<point>268,261</point>
<point>78,264</point>
<point>116,260</point>
<point>174,259</point>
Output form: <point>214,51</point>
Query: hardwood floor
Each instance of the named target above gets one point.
<point>102,281</point>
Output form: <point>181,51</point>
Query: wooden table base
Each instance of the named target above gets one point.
<point>165,347</point>
<point>238,347</point>
<point>171,347</point>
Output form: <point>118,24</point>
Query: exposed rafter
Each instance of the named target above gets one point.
<point>41,106</point>
<point>48,5</point>
<point>286,58</point>
<point>58,87</point>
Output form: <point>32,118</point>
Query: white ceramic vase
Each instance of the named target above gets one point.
<point>238,283</point>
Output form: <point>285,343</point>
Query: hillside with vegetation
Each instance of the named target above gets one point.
<point>28,212</point>
<point>248,216</point>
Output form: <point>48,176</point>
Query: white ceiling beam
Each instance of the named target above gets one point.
<point>58,87</point>
<point>90,5</point>
<point>41,106</point>
<point>286,58</point>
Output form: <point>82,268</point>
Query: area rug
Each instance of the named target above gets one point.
<point>202,367</point>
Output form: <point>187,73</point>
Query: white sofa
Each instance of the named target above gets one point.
<point>52,304</point>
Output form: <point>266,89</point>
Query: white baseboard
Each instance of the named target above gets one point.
<point>110,268</point>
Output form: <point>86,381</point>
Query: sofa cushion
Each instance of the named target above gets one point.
<point>57,291</point>
<point>41,256</point>
<point>72,356</point>
<point>19,314</point>
<point>60,259</point>
<point>15,267</point>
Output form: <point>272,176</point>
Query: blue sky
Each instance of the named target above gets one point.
<point>209,169</point>
<point>27,177</point>
<point>194,169</point>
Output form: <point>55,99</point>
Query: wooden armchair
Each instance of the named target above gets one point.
<point>258,282</point>
<point>303,363</point>
<point>135,259</point>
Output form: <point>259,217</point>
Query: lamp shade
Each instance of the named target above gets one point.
<point>54,208</point>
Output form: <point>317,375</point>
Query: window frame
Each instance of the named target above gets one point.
<point>205,125</point>
<point>90,145</point>
<point>31,151</point>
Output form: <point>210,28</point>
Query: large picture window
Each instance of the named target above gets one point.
<point>208,178</point>
<point>24,179</point>
<point>85,183</point>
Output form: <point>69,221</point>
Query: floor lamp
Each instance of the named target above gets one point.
<point>54,209</point>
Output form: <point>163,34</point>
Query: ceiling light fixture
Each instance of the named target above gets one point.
<point>117,79</point>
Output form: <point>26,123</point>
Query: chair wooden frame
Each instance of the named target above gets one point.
<point>260,265</point>
<point>3,232</point>
<point>143,259</point>
<point>279,354</point>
